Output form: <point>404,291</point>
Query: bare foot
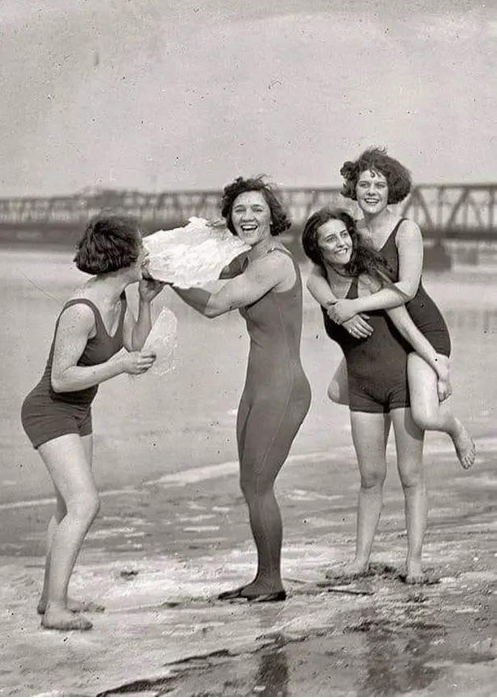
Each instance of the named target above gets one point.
<point>465,446</point>
<point>414,574</point>
<point>74,606</point>
<point>57,618</point>
<point>351,570</point>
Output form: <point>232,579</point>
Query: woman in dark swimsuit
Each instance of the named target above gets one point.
<point>378,390</point>
<point>375,180</point>
<point>92,328</point>
<point>266,288</point>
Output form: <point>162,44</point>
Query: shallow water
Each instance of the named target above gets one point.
<point>148,426</point>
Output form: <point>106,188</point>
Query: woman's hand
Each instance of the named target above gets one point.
<point>358,327</point>
<point>137,362</point>
<point>149,288</point>
<point>444,387</point>
<point>342,310</point>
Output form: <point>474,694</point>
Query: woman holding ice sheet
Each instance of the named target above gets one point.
<point>266,287</point>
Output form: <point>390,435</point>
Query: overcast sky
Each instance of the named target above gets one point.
<point>182,94</point>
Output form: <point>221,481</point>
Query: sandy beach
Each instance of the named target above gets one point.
<point>173,528</point>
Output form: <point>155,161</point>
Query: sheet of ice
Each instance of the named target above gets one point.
<point>192,255</point>
<point>163,340</point>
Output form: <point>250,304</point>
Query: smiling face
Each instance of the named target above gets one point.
<point>372,192</point>
<point>251,217</point>
<point>334,242</point>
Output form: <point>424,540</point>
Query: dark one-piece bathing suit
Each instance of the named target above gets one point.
<point>422,309</point>
<point>277,395</point>
<point>377,365</point>
<point>45,414</point>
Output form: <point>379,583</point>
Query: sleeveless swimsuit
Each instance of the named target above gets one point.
<point>376,366</point>
<point>46,414</point>
<point>423,311</point>
<point>277,395</point>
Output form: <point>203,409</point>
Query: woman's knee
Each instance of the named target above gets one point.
<point>84,506</point>
<point>373,477</point>
<point>253,485</point>
<point>425,418</point>
<point>411,477</point>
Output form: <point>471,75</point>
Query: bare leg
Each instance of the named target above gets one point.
<point>370,434</point>
<point>60,512</point>
<point>338,389</point>
<point>430,415</point>
<point>66,460</point>
<point>409,443</point>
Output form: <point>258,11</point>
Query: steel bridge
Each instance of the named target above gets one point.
<point>465,212</point>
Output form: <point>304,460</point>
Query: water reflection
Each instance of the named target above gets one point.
<point>395,653</point>
<point>272,675</point>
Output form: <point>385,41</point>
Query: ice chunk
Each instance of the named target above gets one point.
<point>162,340</point>
<point>192,255</point>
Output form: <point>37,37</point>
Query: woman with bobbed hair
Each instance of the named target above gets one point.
<point>375,180</point>
<point>265,285</point>
<point>92,328</point>
<point>378,393</point>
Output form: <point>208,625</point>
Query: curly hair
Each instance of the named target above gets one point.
<point>376,159</point>
<point>109,243</point>
<point>364,260</point>
<point>279,219</point>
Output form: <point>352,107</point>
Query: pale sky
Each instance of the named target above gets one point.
<point>183,94</point>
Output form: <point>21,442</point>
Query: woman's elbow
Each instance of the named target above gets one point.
<point>212,312</point>
<point>58,384</point>
<point>408,291</point>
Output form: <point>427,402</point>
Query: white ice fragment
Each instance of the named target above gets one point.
<point>163,340</point>
<point>192,255</point>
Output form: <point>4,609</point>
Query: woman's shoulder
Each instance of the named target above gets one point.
<point>278,265</point>
<point>79,308</point>
<point>407,229</point>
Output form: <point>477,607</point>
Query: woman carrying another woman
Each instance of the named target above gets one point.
<point>377,382</point>
<point>266,288</point>
<point>376,180</point>
<point>92,328</point>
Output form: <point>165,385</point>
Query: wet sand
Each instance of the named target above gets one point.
<point>173,532</point>
<point>159,554</point>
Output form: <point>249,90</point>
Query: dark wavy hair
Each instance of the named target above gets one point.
<point>109,243</point>
<point>376,159</point>
<point>279,218</point>
<point>364,260</point>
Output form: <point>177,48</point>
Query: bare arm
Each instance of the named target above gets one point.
<point>260,276</point>
<point>137,331</point>
<point>410,251</point>
<point>319,288</point>
<point>74,329</point>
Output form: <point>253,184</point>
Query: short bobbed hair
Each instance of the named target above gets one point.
<point>279,219</point>
<point>364,260</point>
<point>109,243</point>
<point>376,159</point>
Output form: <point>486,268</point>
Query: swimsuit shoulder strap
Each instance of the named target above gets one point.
<point>84,301</point>
<point>353,291</point>
<point>394,232</point>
